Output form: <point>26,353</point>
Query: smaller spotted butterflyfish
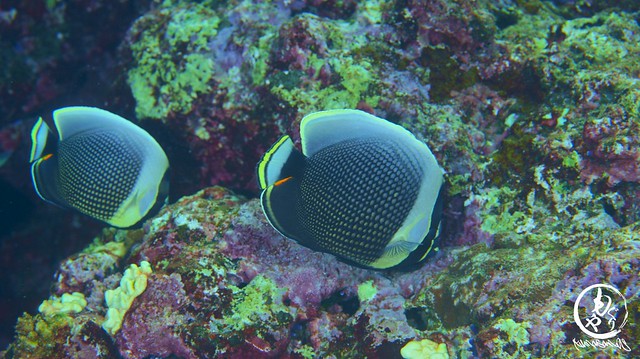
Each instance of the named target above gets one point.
<point>99,164</point>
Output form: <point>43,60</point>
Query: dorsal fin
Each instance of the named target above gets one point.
<point>282,160</point>
<point>76,119</point>
<point>325,128</point>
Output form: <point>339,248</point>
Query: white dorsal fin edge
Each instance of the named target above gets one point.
<point>325,128</point>
<point>78,119</point>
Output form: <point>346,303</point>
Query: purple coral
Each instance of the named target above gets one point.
<point>472,232</point>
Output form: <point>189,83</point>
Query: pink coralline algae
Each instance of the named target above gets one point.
<point>79,271</point>
<point>153,326</point>
<point>612,150</point>
<point>261,251</point>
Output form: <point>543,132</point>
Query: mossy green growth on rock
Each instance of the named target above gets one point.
<point>36,337</point>
<point>353,74</point>
<point>172,63</point>
<point>306,351</point>
<point>568,210</point>
<point>354,83</point>
<point>366,291</point>
<point>452,295</point>
<point>516,334</point>
<point>259,305</point>
<point>576,55</point>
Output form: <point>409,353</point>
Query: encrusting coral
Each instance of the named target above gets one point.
<point>65,304</point>
<point>119,300</point>
<point>425,348</point>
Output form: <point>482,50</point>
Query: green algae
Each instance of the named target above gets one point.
<point>500,201</point>
<point>366,291</point>
<point>306,351</point>
<point>596,40</point>
<point>516,334</point>
<point>373,10</point>
<point>172,62</point>
<point>572,160</point>
<point>513,159</point>
<point>207,270</point>
<point>37,337</point>
<point>449,134</point>
<point>551,213</point>
<point>446,73</point>
<point>259,55</point>
<point>458,296</point>
<point>257,305</point>
<point>356,75</point>
<point>573,56</point>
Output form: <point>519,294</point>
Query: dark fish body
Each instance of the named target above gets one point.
<point>363,189</point>
<point>99,164</point>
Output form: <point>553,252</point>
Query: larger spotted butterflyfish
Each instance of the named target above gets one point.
<point>363,189</point>
<point>99,164</point>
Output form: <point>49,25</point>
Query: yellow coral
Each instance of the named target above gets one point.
<point>68,303</point>
<point>424,349</point>
<point>132,284</point>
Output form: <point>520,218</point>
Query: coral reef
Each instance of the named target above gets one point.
<point>535,125</point>
<point>226,284</point>
<point>158,84</point>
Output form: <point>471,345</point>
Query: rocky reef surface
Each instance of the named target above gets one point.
<point>531,107</point>
<point>222,283</point>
